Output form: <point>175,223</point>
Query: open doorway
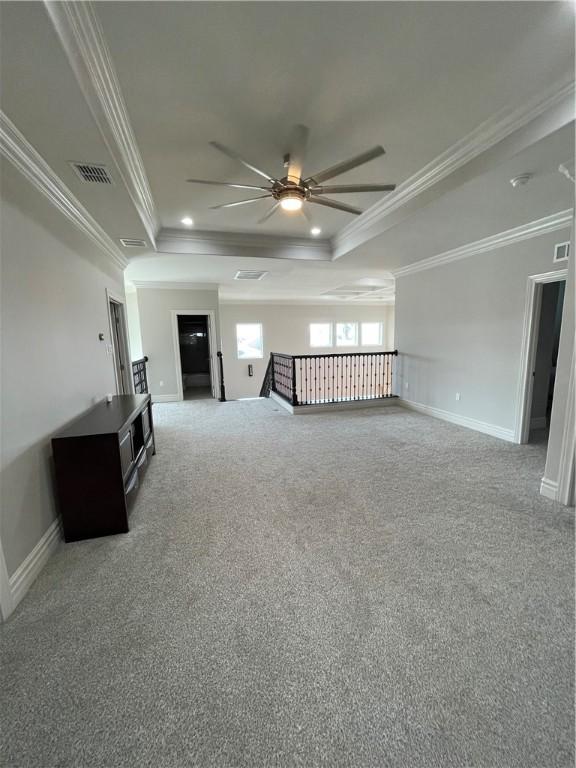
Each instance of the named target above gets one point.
<point>544,372</point>
<point>545,303</point>
<point>195,356</point>
<point>120,349</point>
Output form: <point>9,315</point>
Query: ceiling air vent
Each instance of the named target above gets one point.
<point>246,274</point>
<point>132,242</point>
<point>92,173</point>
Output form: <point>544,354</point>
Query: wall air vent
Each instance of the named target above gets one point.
<point>92,173</point>
<point>132,242</point>
<point>561,252</point>
<point>246,274</point>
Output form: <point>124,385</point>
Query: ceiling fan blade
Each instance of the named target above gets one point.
<point>333,204</point>
<point>268,214</point>
<point>298,142</point>
<point>240,202</point>
<point>235,156</point>
<point>347,165</point>
<point>226,184</point>
<point>341,188</point>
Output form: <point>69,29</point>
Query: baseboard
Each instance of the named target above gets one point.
<point>538,422</point>
<point>281,402</point>
<point>462,421</point>
<point>549,488</point>
<point>26,573</point>
<point>166,399</point>
<point>345,405</point>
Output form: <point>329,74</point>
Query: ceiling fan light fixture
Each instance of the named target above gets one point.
<point>315,231</point>
<point>187,221</point>
<point>291,201</point>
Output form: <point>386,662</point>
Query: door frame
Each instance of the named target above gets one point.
<point>6,596</point>
<point>566,465</point>
<point>212,347</point>
<point>128,381</point>
<point>532,308</point>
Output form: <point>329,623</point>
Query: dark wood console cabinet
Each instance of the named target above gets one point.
<point>99,461</point>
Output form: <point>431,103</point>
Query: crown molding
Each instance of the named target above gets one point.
<point>82,38</point>
<point>560,220</point>
<point>174,286</point>
<point>311,302</point>
<point>16,148</point>
<point>245,244</point>
<point>557,102</point>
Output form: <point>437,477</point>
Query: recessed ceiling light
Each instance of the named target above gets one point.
<point>187,221</point>
<point>315,231</point>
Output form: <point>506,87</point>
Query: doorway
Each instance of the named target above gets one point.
<point>544,372</point>
<point>544,305</point>
<point>195,356</point>
<point>120,353</point>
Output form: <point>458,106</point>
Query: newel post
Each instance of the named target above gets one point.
<point>222,397</point>
<point>294,395</point>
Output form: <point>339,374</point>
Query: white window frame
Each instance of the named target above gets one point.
<point>346,322</point>
<point>321,346</point>
<point>380,325</point>
<point>250,322</point>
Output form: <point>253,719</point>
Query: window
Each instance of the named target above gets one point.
<point>249,341</point>
<point>371,334</point>
<point>320,334</point>
<point>346,334</point>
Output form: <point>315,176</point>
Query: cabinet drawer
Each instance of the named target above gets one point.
<point>131,489</point>
<point>142,464</point>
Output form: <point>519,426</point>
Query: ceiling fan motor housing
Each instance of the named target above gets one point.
<point>288,189</point>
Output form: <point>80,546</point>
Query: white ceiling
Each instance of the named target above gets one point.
<point>415,77</point>
<point>486,205</point>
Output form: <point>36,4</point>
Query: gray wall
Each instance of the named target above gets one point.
<point>133,322</point>
<point>459,329</point>
<point>53,365</point>
<point>285,328</point>
<point>155,307</point>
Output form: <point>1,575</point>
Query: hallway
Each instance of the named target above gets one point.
<point>366,588</point>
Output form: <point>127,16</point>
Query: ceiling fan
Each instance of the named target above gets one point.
<point>293,190</point>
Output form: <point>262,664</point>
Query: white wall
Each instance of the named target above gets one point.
<point>133,322</point>
<point>286,329</point>
<point>54,305</point>
<point>155,307</point>
<point>459,329</point>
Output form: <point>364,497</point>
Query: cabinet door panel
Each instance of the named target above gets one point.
<point>145,423</point>
<point>126,452</point>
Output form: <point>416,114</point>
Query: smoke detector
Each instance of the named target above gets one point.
<point>521,180</point>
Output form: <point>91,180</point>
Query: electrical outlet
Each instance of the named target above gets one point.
<point>161,383</point>
<point>457,395</point>
<point>405,385</point>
